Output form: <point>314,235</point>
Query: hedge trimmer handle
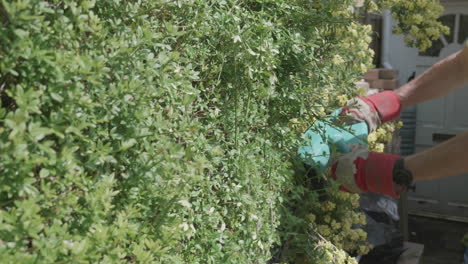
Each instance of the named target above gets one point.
<point>323,138</point>
<point>332,135</point>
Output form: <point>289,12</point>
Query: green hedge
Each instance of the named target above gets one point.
<point>164,131</point>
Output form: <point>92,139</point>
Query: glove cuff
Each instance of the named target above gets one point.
<point>378,173</point>
<point>386,103</point>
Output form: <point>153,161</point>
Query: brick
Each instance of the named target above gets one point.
<point>384,84</point>
<point>388,74</point>
<point>371,75</point>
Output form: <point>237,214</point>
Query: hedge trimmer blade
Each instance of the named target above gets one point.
<point>324,138</point>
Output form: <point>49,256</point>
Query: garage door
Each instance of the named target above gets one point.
<point>440,119</point>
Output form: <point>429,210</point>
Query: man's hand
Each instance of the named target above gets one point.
<point>374,110</point>
<point>363,171</point>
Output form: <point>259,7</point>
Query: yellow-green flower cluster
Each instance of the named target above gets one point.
<point>417,20</point>
<point>382,135</point>
<point>336,220</point>
<point>329,253</point>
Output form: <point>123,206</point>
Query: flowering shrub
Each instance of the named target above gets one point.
<point>166,131</point>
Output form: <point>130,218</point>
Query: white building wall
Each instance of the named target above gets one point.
<point>401,57</point>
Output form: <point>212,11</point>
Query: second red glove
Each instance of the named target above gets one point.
<point>364,171</point>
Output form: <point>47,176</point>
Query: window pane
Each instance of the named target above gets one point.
<point>437,45</point>
<point>463,33</point>
<point>449,21</point>
<point>434,50</point>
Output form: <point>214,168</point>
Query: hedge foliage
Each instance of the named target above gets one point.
<point>166,131</point>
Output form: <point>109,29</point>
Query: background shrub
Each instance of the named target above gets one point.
<point>166,131</point>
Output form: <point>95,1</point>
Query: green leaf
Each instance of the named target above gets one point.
<point>38,133</point>
<point>21,33</point>
<point>56,97</point>
<point>128,144</point>
<point>43,173</point>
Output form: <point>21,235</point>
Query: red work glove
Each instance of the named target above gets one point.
<point>364,171</point>
<point>374,110</point>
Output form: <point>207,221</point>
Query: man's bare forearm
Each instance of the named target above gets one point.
<point>450,157</point>
<point>444,160</point>
<point>441,79</point>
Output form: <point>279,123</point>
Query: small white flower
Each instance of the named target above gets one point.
<point>237,38</point>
